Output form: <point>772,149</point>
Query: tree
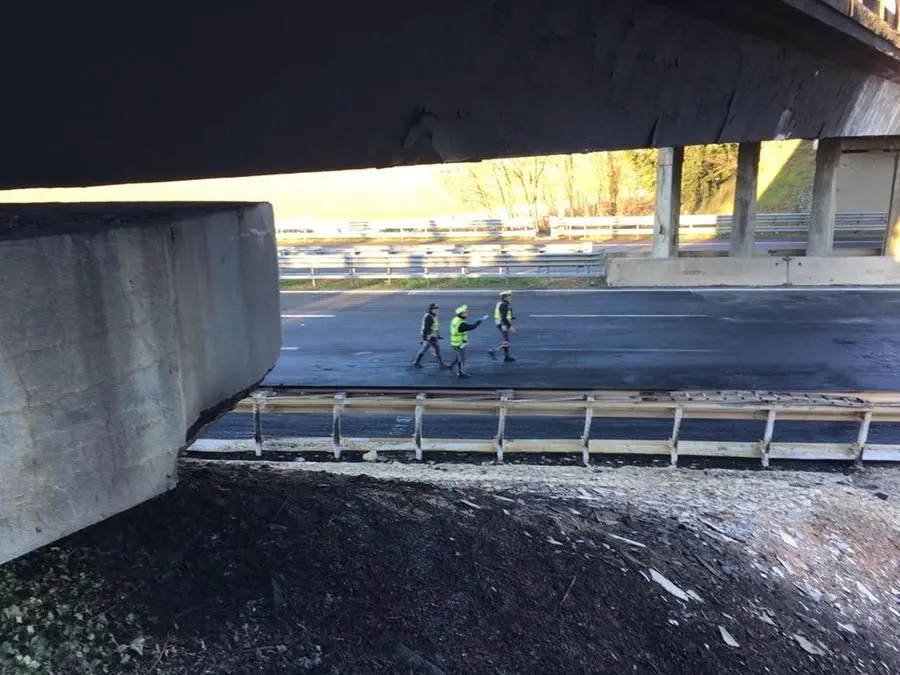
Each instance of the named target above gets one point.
<point>508,186</point>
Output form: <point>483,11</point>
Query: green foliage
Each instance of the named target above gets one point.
<point>46,627</point>
<point>706,169</point>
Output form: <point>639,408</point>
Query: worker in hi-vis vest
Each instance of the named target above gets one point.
<point>459,337</point>
<point>431,333</point>
<point>503,317</point>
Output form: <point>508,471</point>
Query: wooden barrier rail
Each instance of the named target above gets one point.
<point>766,407</point>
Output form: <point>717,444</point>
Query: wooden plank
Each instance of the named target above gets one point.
<point>814,451</point>
<point>456,445</point>
<point>606,446</point>
<point>574,446</point>
<point>222,445</point>
<point>363,444</point>
<point>323,444</point>
<point>715,449</point>
<point>882,453</point>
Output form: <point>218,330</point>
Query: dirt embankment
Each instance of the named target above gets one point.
<point>466,569</point>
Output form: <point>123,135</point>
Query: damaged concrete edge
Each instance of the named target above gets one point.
<point>211,415</point>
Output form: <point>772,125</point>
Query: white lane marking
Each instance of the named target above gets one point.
<point>290,349</point>
<point>618,316</point>
<point>628,349</point>
<point>847,321</point>
<point>307,316</point>
<point>686,289</point>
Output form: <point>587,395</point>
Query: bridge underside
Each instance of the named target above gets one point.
<point>351,84</point>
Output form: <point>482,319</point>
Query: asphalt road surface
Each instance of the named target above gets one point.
<point>709,339</point>
<point>846,340</point>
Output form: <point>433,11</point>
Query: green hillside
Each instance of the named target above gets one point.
<point>785,177</point>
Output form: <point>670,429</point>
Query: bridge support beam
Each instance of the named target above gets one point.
<point>743,229</point>
<point>668,202</point>
<point>125,329</point>
<point>822,215</point>
<point>892,234</point>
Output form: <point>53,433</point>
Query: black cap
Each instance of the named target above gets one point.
<point>432,306</point>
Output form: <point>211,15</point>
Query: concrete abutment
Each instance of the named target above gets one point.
<point>124,328</point>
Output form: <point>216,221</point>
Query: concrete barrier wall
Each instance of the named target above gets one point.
<point>872,271</point>
<point>124,328</point>
<point>624,272</point>
<point>761,271</point>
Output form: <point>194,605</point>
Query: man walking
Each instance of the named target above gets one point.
<point>459,337</point>
<point>431,333</point>
<point>503,317</point>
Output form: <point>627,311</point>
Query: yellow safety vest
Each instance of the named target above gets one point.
<point>497,318</point>
<point>435,327</point>
<point>457,339</point>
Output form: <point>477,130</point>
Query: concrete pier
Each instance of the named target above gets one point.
<point>821,219</point>
<point>668,203</point>
<point>125,328</point>
<point>743,229</point>
<point>892,233</point>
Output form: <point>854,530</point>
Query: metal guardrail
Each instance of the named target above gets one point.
<point>423,265</point>
<point>524,228</point>
<point>708,225</point>
<point>765,407</point>
<point>419,228</point>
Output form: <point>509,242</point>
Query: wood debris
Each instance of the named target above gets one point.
<point>630,542</point>
<point>668,585</point>
<point>728,638</point>
<point>808,646</point>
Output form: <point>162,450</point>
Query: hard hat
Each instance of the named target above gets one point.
<point>505,293</point>
<point>462,308</point>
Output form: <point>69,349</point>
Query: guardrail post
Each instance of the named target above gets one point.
<point>676,430</point>
<point>257,425</point>
<point>417,434</point>
<point>766,442</point>
<point>862,436</point>
<point>501,424</point>
<point>312,274</point>
<point>337,412</point>
<point>586,436</point>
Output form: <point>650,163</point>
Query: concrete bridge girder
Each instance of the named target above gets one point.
<point>352,84</point>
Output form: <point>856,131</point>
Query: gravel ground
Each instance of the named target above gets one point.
<point>400,568</point>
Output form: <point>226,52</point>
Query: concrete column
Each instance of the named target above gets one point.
<point>892,234</point>
<point>668,202</point>
<point>821,217</point>
<point>743,228</point>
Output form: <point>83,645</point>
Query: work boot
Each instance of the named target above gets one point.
<point>462,374</point>
<point>508,359</point>
<point>417,363</point>
<point>492,354</point>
